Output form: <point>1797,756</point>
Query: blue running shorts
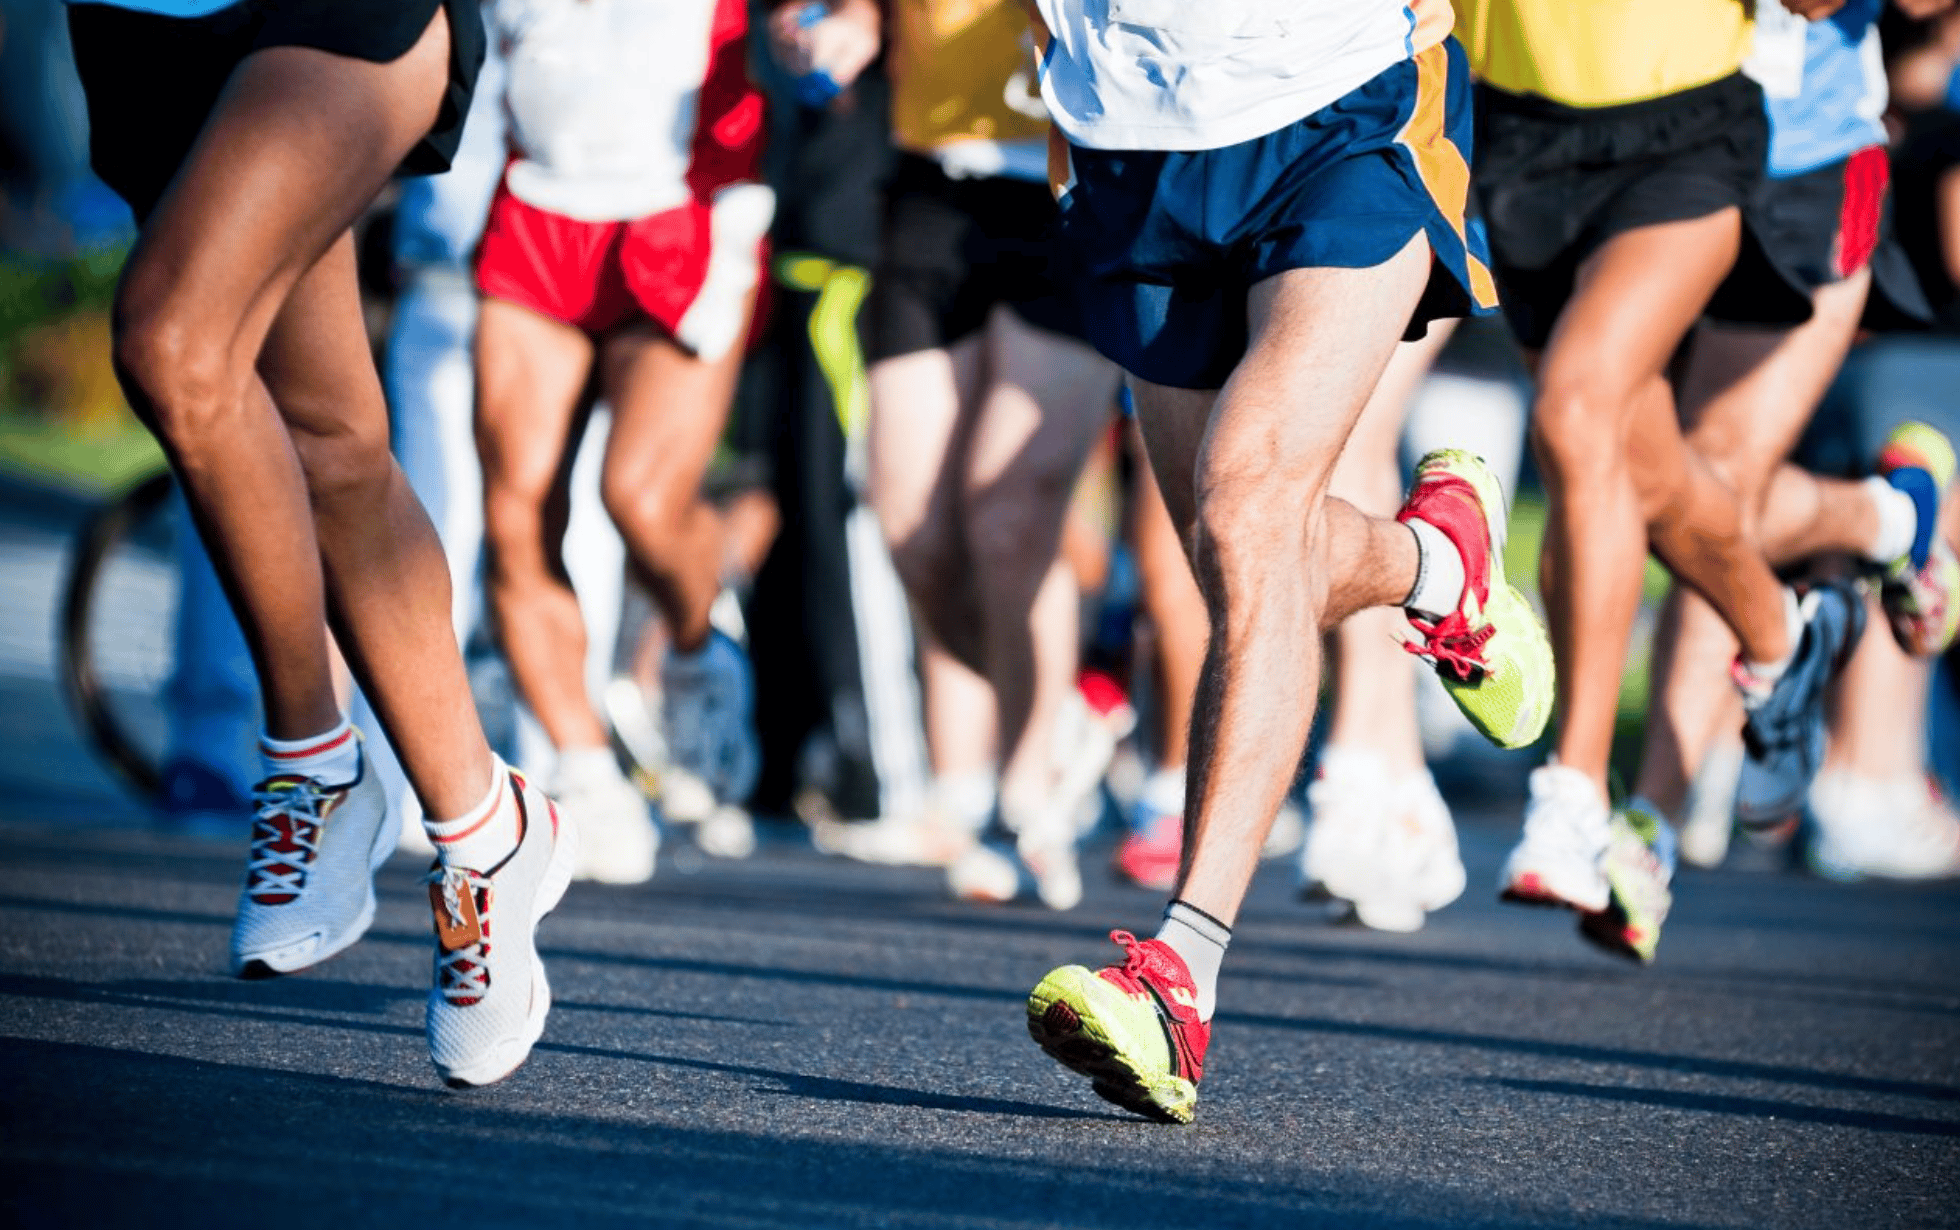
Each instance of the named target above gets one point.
<point>1165,245</point>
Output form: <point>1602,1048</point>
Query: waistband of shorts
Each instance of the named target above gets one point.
<point>1735,92</point>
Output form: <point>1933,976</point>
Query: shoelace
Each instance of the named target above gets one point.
<point>464,975</point>
<point>1452,643</point>
<point>272,871</point>
<point>1133,957</point>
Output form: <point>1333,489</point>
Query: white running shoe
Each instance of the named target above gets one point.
<point>490,999</point>
<point>1093,719</point>
<point>708,699</point>
<point>1048,852</point>
<point>1711,806</point>
<point>1393,857</point>
<point>1559,861</point>
<point>1894,827</point>
<point>618,840</point>
<point>309,879</point>
<point>728,833</point>
<point>985,873</point>
<point>1344,800</point>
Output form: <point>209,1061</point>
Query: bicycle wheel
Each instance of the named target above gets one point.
<point>117,629</point>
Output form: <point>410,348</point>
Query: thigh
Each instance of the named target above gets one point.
<point>922,409</point>
<point>316,363</point>
<point>1635,299</point>
<point>1321,339</point>
<point>1748,393</point>
<point>669,408</point>
<point>297,145</point>
<point>1048,399</point>
<point>532,373</point>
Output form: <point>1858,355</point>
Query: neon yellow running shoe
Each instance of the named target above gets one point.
<point>1639,865</point>
<point>1921,591</point>
<point>1492,652</point>
<point>1132,1029</point>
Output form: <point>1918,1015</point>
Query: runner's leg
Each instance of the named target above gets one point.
<point>307,139</point>
<point>1244,473</point>
<point>531,373</point>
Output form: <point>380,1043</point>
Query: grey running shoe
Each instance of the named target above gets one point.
<point>490,998</point>
<point>1783,736</point>
<point>309,880</point>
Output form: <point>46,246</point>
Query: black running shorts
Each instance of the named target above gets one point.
<point>152,81</point>
<point>1557,182</point>
<point>1805,231</point>
<point>952,249</point>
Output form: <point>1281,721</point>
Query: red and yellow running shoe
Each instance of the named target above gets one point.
<point>1132,1029</point>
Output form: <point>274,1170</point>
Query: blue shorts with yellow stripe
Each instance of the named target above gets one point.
<point>1165,245</point>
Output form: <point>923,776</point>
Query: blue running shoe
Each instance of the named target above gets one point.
<point>1783,735</point>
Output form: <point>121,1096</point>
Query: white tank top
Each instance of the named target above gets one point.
<point>601,99</point>
<point>1204,74</point>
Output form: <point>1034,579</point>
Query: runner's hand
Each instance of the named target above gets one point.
<point>840,44</point>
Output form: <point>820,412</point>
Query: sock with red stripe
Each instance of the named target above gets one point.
<point>1201,940</point>
<point>483,836</point>
<point>333,758</point>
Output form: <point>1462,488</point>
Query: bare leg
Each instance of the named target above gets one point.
<point>1374,693</point>
<point>669,409</point>
<point>1177,609</point>
<point>1277,559</point>
<point>959,713</point>
<point>1612,456</point>
<point>298,145</point>
<point>1045,401</point>
<point>1746,397</point>
<point>923,407</point>
<point>531,374</point>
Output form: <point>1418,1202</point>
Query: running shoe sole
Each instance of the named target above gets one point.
<point>1070,1016</point>
<point>506,1056</point>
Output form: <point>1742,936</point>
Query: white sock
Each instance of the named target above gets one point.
<point>483,836</point>
<point>1163,792</point>
<point>1763,675</point>
<point>1201,940</point>
<point>1898,521</point>
<point>332,758</point>
<point>1439,572</point>
<point>970,796</point>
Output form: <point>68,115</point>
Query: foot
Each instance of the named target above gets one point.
<point>490,999</point>
<point>1921,590</point>
<point>1492,652</point>
<point>1149,856</point>
<point>1344,801</point>
<point>309,880</point>
<point>1895,827</point>
<point>1711,807</point>
<point>1639,864</point>
<point>1093,720</point>
<point>1421,869</point>
<point>1783,735</point>
<point>1559,861</point>
<point>1132,1029</point>
<point>708,700</point>
<point>618,840</point>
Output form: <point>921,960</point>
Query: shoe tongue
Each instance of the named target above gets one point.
<point>456,934</point>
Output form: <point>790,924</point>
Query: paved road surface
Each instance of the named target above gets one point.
<point>790,1042</point>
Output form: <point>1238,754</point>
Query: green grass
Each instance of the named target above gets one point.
<point>95,461</point>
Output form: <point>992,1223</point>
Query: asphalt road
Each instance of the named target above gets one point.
<point>792,1042</point>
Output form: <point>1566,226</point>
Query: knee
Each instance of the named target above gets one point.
<point>1574,432</point>
<point>177,375</point>
<point>1249,543</point>
<point>1009,522</point>
<point>927,558</point>
<point>648,501</point>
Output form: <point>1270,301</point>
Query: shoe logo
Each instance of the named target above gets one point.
<point>1185,997</point>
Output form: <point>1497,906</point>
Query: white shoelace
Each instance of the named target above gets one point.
<point>272,871</point>
<point>465,972</point>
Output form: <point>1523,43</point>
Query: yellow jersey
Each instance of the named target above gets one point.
<point>1602,53</point>
<point>962,70</point>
